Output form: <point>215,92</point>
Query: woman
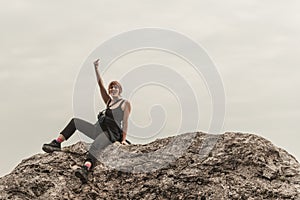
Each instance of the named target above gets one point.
<point>112,125</point>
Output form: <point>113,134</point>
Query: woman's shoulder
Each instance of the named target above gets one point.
<point>125,103</point>
<point>125,100</point>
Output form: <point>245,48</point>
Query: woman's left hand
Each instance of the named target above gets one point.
<point>124,142</point>
<point>96,63</point>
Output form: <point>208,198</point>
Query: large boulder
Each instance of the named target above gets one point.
<point>188,166</point>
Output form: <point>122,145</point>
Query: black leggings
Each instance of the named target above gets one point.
<point>93,131</point>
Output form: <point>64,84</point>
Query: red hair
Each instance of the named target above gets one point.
<point>117,84</point>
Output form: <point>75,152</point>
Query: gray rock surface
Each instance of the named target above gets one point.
<point>189,166</point>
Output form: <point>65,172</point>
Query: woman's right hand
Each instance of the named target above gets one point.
<point>96,63</point>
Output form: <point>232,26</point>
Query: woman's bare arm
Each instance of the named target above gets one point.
<point>125,121</point>
<point>103,91</point>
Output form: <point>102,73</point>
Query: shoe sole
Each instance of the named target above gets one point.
<point>81,177</point>
<point>50,149</point>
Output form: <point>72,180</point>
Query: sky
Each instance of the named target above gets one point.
<point>44,44</point>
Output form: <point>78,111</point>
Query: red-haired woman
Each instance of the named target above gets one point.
<point>112,125</point>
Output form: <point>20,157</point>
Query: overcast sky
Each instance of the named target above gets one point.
<point>254,44</point>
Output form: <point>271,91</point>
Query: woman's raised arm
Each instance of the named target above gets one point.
<point>103,91</point>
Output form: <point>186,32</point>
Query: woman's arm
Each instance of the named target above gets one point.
<point>125,121</point>
<point>103,91</point>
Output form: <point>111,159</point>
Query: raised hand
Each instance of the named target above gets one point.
<point>96,63</point>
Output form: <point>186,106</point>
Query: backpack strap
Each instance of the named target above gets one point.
<point>122,102</point>
<point>108,106</point>
<point>108,102</point>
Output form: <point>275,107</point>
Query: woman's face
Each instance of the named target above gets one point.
<point>114,91</point>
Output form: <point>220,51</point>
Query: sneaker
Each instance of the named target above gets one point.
<point>52,146</point>
<point>82,173</point>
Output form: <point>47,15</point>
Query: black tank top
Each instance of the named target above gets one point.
<point>116,114</point>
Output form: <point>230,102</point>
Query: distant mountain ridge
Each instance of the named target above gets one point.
<point>237,166</point>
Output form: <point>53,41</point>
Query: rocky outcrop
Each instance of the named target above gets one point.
<point>189,166</point>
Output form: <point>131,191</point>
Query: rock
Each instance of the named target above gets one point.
<point>188,166</point>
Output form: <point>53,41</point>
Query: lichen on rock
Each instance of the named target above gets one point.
<point>188,166</point>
